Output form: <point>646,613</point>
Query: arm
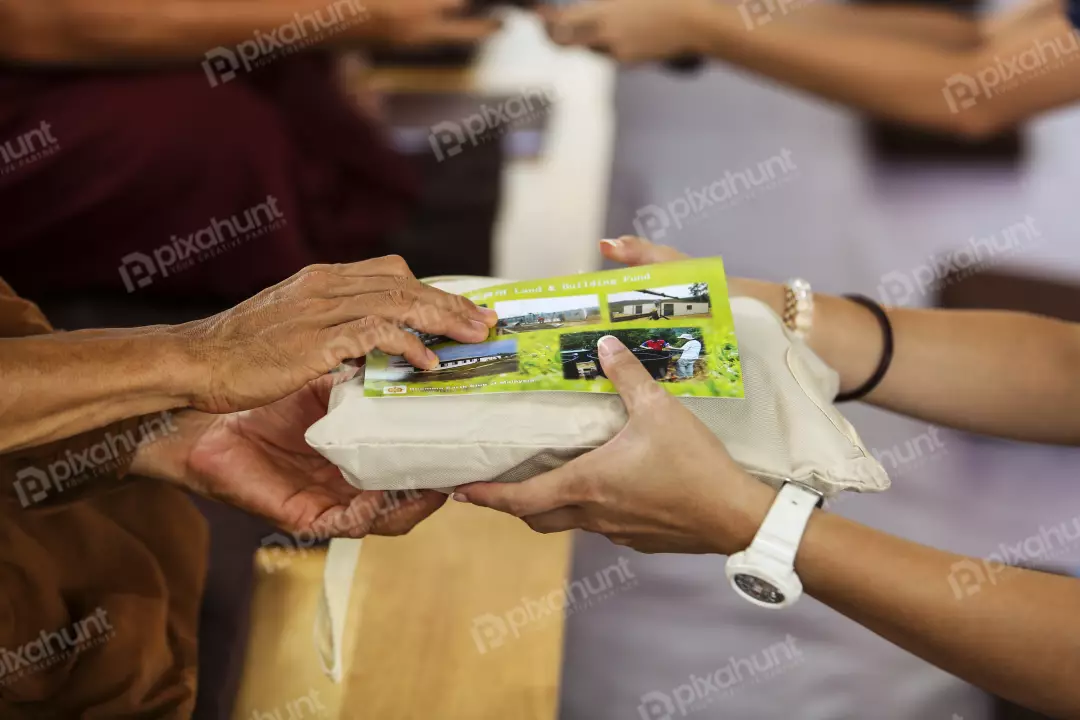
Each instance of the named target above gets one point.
<point>62,384</point>
<point>922,67</point>
<point>93,32</point>
<point>949,367</point>
<point>1007,374</point>
<point>1013,632</point>
<point>59,385</point>
<point>907,593</point>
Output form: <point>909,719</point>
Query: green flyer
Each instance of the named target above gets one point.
<point>675,317</point>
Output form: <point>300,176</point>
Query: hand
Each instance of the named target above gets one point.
<point>419,23</point>
<point>630,31</point>
<point>258,461</point>
<point>663,484</point>
<point>631,250</point>
<point>290,334</point>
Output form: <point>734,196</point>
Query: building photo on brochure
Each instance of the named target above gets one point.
<point>666,303</point>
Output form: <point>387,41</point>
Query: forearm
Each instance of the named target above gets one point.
<point>977,620</point>
<point>62,384</point>
<point>108,31</point>
<point>997,373</point>
<point>850,55</point>
<point>927,26</point>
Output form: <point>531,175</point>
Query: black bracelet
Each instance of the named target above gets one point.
<point>886,351</point>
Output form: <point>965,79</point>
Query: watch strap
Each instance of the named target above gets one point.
<point>781,532</point>
<point>764,573</point>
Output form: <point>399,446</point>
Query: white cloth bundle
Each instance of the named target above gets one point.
<point>785,428</point>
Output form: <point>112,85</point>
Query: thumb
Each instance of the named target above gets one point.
<point>631,250</point>
<point>632,381</point>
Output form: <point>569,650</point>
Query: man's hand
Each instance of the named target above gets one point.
<point>258,461</point>
<point>630,31</point>
<point>292,333</point>
<point>663,484</point>
<point>419,23</point>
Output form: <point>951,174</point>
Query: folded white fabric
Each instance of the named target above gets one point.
<point>785,428</point>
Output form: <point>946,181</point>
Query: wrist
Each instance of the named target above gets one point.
<point>733,520</point>
<point>168,458</point>
<point>770,293</point>
<point>189,359</point>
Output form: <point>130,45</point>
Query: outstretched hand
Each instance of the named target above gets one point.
<point>665,483</point>
<point>259,461</point>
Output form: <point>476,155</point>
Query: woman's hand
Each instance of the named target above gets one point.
<point>663,484</point>
<point>631,250</point>
<point>290,334</point>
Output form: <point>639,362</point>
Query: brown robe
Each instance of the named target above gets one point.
<point>101,580</point>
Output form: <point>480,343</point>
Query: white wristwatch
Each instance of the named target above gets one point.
<point>764,573</point>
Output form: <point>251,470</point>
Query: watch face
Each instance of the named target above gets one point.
<point>759,589</point>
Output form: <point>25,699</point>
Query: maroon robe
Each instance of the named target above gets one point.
<point>96,166</point>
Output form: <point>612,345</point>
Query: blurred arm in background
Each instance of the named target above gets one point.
<point>931,68</point>
<point>104,32</point>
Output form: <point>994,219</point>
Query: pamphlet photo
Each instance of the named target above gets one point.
<point>518,316</point>
<point>669,354</point>
<point>456,362</point>
<point>663,303</point>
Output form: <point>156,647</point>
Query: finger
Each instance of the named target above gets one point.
<point>631,250</point>
<point>458,303</point>
<point>405,308</point>
<point>632,381</point>
<point>400,516</point>
<point>576,25</point>
<point>554,521</point>
<point>386,265</point>
<point>543,493</point>
<point>347,521</point>
<point>447,6</point>
<point>459,30</point>
<point>406,288</point>
<point>358,338</point>
<point>312,279</point>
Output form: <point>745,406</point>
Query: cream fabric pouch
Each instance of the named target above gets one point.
<point>786,427</point>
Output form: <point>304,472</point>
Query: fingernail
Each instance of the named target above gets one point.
<point>612,243</point>
<point>482,327</point>
<point>490,316</point>
<point>460,497</point>
<point>432,358</point>
<point>609,345</point>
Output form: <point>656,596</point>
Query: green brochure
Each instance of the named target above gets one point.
<point>675,317</point>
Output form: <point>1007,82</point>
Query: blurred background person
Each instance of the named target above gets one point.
<point>936,67</point>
